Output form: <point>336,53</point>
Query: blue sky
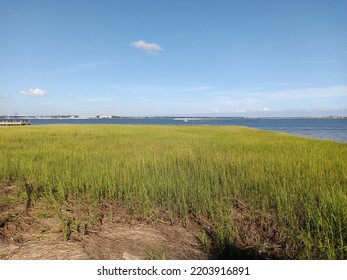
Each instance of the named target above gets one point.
<point>192,57</point>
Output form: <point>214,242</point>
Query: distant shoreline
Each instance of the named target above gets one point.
<point>78,117</point>
<point>331,128</point>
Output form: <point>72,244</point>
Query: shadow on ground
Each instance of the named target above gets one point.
<point>232,252</point>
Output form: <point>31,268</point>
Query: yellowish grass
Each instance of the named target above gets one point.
<point>185,171</point>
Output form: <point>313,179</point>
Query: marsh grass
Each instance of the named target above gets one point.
<point>189,171</point>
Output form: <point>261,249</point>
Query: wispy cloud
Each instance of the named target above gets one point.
<point>163,99</point>
<point>151,48</point>
<point>162,90</point>
<point>75,68</point>
<point>310,93</point>
<point>89,65</point>
<point>286,99</point>
<point>4,96</point>
<point>34,92</point>
<point>97,99</point>
<point>69,95</point>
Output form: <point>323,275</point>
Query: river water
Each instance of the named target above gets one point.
<point>334,129</point>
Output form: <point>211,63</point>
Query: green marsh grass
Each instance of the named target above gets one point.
<point>186,172</point>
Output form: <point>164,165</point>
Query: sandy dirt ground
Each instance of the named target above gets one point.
<point>24,235</point>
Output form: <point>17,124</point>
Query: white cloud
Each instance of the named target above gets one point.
<point>151,48</point>
<point>34,92</point>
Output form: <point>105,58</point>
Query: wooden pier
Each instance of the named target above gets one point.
<point>14,123</point>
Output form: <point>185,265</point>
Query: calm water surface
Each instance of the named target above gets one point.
<point>334,129</point>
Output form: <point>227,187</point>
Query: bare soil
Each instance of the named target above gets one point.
<point>35,231</point>
<point>26,235</point>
